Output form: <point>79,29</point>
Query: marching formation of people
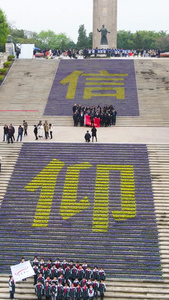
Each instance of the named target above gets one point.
<point>9,132</point>
<point>107,114</point>
<point>67,280</point>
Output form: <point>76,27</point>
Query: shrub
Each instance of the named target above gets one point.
<point>1,77</point>
<point>7,64</point>
<point>11,57</point>
<point>3,71</point>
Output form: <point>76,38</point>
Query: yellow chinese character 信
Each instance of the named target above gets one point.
<point>102,81</point>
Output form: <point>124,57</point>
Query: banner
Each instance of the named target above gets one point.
<point>97,122</point>
<point>22,271</point>
<point>87,121</point>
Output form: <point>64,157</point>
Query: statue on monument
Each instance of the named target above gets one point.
<point>104,32</point>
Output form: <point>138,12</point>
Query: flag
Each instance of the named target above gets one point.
<point>22,271</point>
<point>87,121</point>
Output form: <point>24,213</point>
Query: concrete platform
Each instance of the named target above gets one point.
<point>147,135</point>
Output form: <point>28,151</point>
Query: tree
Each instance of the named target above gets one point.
<point>124,40</point>
<point>71,45</point>
<point>138,40</point>
<point>163,43</point>
<point>90,40</point>
<point>47,39</point>
<point>82,41</point>
<point>4,30</point>
<point>62,41</point>
<point>147,39</point>
<point>51,40</point>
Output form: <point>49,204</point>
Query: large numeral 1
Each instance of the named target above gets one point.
<point>47,180</point>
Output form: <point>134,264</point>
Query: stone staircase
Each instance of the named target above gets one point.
<point>115,290</point>
<point>9,154</point>
<point>138,286</point>
<point>26,89</point>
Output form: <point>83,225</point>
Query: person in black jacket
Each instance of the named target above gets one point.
<point>5,135</point>
<point>10,135</point>
<point>47,289</point>
<point>94,130</point>
<point>39,289</point>
<point>20,133</point>
<point>36,131</point>
<point>87,136</point>
<point>11,287</point>
<point>102,289</point>
<point>114,113</point>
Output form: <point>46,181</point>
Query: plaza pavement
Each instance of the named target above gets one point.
<point>114,134</point>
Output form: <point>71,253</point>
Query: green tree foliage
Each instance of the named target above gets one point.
<point>21,36</point>
<point>82,41</point>
<point>163,43</point>
<point>139,40</point>
<point>50,40</point>
<point>90,40</point>
<point>71,45</point>
<point>124,40</point>
<point>147,39</point>
<point>62,41</point>
<point>17,34</point>
<point>4,30</point>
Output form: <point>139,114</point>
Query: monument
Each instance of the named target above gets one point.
<point>104,32</point>
<point>104,21</point>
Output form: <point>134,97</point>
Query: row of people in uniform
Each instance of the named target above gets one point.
<point>66,270</point>
<point>58,291</point>
<point>107,114</point>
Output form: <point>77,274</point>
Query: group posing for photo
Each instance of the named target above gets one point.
<point>107,114</point>
<point>68,280</point>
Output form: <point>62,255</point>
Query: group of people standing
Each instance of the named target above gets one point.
<point>107,114</point>
<point>68,281</point>
<point>9,132</point>
<point>42,130</point>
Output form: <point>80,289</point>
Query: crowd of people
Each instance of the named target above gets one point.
<point>9,132</point>
<point>87,53</point>
<point>123,52</point>
<point>62,280</point>
<point>107,114</point>
<point>68,280</point>
<point>40,131</point>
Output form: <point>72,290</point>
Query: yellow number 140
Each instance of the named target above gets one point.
<point>47,180</point>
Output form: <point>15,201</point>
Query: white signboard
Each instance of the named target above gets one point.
<point>22,271</point>
<point>26,51</point>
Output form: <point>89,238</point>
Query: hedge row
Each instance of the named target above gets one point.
<point>6,66</point>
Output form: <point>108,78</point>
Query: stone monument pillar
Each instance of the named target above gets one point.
<point>9,46</point>
<point>105,13</point>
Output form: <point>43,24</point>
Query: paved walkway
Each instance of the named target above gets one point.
<point>146,135</point>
